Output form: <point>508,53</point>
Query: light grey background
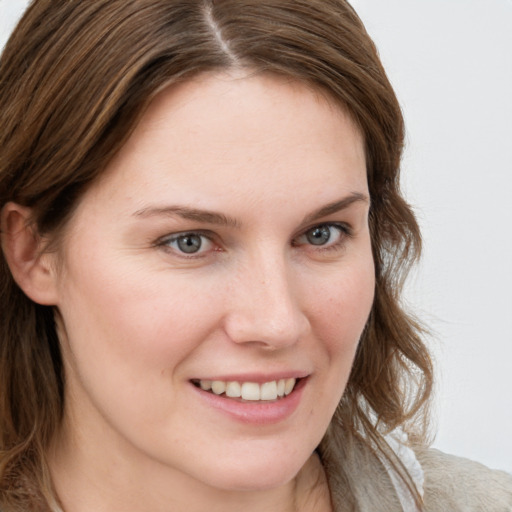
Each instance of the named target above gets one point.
<point>451,64</point>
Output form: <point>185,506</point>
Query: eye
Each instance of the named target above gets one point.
<point>323,235</point>
<point>188,243</point>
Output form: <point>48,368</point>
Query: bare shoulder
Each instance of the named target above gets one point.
<point>458,484</point>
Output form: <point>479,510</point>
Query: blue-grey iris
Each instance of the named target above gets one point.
<point>319,235</point>
<point>189,243</point>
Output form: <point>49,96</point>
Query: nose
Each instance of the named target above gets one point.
<point>266,305</point>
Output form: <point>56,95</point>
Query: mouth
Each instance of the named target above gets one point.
<point>249,391</point>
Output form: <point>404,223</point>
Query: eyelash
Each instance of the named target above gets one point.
<point>344,232</point>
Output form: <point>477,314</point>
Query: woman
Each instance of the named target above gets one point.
<point>203,245</point>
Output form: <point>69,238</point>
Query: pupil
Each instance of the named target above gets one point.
<point>319,236</point>
<point>189,243</point>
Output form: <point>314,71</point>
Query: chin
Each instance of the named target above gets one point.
<point>260,472</point>
<point>258,480</point>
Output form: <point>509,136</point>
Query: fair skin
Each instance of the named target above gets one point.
<point>228,241</point>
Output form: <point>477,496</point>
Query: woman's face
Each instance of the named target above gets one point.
<point>227,242</point>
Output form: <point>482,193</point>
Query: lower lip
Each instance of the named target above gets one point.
<point>255,412</point>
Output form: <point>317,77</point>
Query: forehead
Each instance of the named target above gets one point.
<point>219,137</point>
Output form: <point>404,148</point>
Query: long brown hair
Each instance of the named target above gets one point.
<point>76,76</point>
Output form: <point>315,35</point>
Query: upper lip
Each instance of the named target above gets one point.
<point>257,377</point>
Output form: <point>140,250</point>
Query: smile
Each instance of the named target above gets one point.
<point>250,391</point>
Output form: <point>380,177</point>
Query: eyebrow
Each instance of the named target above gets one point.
<point>336,206</point>
<point>194,214</point>
<point>219,219</point>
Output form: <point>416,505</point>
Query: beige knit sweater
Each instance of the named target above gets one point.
<point>455,484</point>
<point>452,484</point>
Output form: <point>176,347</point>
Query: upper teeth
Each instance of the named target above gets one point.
<point>250,390</point>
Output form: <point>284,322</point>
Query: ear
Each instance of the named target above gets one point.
<point>23,248</point>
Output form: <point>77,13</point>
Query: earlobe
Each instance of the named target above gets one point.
<point>22,246</point>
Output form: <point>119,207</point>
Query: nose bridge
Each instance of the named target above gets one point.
<point>266,308</point>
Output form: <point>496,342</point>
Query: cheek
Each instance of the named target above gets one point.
<point>342,304</point>
<point>342,307</point>
<point>127,336</point>
<point>141,319</point>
